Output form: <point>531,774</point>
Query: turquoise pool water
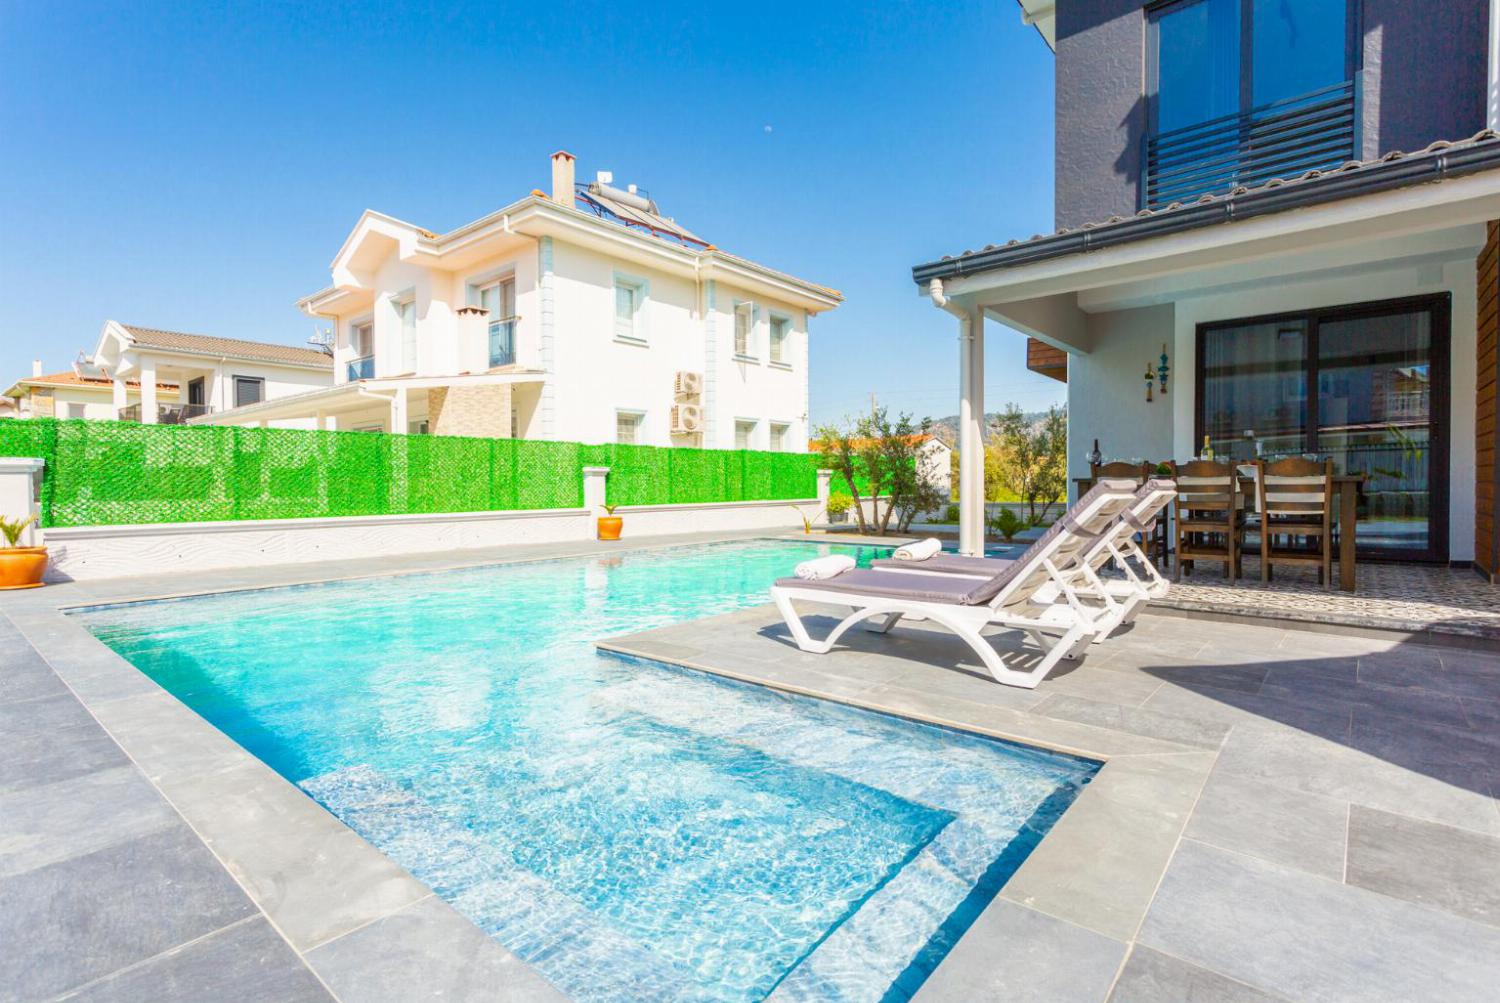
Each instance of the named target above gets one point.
<point>633,831</point>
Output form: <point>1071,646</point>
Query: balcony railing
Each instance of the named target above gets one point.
<point>167,414</point>
<point>1316,131</point>
<point>362,368</point>
<point>502,342</point>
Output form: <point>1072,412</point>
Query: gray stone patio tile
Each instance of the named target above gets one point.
<point>1435,750</point>
<point>427,951</point>
<point>1135,720</point>
<point>1101,862</point>
<point>45,824</point>
<point>977,686</point>
<point>1483,715</point>
<point>1434,865</point>
<point>1236,707</point>
<point>1017,954</point>
<point>1310,939</point>
<point>166,738</point>
<point>1246,678</point>
<point>1278,824</point>
<point>312,875</point>
<point>247,962</point>
<point>1124,689</point>
<point>1152,977</point>
<point>86,917</point>
<point>23,673</point>
<point>1305,762</point>
<point>40,757</point>
<point>1330,642</point>
<point>1330,689</point>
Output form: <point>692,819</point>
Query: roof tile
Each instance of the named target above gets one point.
<point>150,337</point>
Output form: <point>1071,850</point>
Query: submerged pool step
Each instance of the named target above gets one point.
<point>566,942</point>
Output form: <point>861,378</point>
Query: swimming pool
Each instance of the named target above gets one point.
<point>631,830</point>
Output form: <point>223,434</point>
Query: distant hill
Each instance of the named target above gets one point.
<point>947,428</point>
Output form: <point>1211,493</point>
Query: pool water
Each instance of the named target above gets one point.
<point>631,830</point>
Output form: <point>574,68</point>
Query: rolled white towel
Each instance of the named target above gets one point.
<point>822,568</point>
<point>919,551</point>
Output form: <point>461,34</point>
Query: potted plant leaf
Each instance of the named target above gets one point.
<point>609,523</point>
<point>20,567</point>
<point>838,507</point>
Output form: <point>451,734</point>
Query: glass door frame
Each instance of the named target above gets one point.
<point>1439,308</point>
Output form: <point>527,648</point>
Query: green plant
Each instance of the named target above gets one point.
<point>839,503</point>
<point>951,515</point>
<point>1007,524</point>
<point>880,458</point>
<point>609,509</point>
<point>1033,459</point>
<point>806,519</point>
<point>12,529</point>
<point>1164,469</point>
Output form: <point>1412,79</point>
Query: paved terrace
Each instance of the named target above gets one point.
<point>1282,815</point>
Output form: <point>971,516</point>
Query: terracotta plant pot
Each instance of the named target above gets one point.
<point>22,567</point>
<point>609,527</point>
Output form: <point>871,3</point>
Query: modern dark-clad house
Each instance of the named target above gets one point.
<point>1288,206</point>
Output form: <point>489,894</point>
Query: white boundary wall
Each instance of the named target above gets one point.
<point>80,553</point>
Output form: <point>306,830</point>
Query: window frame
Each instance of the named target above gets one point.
<point>259,381</point>
<point>365,323</point>
<point>754,424</point>
<point>785,428</point>
<point>400,302</point>
<point>1155,11</point>
<point>751,314</point>
<point>639,422</point>
<point>641,291</point>
<point>779,359</point>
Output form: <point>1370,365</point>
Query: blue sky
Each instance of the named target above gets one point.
<point>195,166</point>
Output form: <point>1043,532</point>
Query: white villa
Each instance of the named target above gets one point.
<point>582,316</point>
<point>79,392</point>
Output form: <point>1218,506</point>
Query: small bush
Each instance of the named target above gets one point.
<point>951,514</point>
<point>838,504</point>
<point>1007,524</point>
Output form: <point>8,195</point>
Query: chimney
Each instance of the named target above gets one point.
<point>36,367</point>
<point>562,177</point>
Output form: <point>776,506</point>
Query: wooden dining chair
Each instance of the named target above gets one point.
<point>1296,515</point>
<point>1157,547</point>
<point>1210,515</point>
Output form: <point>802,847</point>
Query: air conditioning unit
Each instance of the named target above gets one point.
<point>688,384</point>
<point>687,419</point>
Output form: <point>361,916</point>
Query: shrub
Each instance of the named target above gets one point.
<point>1007,524</point>
<point>838,503</point>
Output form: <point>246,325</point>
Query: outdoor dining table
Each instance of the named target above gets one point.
<point>1346,500</point>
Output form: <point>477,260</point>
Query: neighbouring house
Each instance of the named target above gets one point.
<point>935,464</point>
<point>586,316</point>
<point>83,391</point>
<point>206,374</point>
<point>1282,217</point>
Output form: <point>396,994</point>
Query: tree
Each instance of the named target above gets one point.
<point>884,455</point>
<point>1033,460</point>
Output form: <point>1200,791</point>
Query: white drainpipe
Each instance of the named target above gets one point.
<point>1492,118</point>
<point>970,441</point>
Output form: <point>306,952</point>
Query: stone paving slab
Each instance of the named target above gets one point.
<point>1212,732</point>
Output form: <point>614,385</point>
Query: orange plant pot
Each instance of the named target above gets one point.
<point>22,567</point>
<point>609,527</point>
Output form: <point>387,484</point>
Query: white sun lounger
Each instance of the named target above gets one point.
<point>1121,599</point>
<point>1012,598</point>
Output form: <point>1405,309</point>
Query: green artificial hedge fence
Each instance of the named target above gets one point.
<point>115,473</point>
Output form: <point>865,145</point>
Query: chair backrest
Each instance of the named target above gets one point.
<point>1138,472</point>
<point>1084,522</point>
<point>1150,500</point>
<point>1208,486</point>
<point>1296,487</point>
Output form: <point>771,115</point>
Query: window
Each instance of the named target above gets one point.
<point>74,410</point>
<point>498,299</point>
<point>407,313</point>
<point>248,390</point>
<point>1223,57</point>
<point>779,432</point>
<point>418,427</point>
<point>744,326</point>
<point>630,299</point>
<point>781,327</point>
<point>744,434</point>
<point>628,427</point>
<point>362,339</point>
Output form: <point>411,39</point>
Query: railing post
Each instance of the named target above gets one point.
<point>21,491</point>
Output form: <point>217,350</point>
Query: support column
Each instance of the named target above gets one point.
<point>148,392</point>
<point>825,491</point>
<point>117,389</point>
<point>398,411</point>
<point>971,435</point>
<point>595,492</point>
<point>20,487</point>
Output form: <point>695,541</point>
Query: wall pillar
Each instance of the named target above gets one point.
<point>595,494</point>
<point>971,434</point>
<point>20,487</point>
<point>148,392</point>
<point>398,412</point>
<point>825,491</point>
<point>117,390</point>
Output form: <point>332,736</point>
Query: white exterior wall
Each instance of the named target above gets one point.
<point>594,374</point>
<point>1106,388</point>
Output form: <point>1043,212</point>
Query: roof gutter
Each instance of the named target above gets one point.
<point>1389,175</point>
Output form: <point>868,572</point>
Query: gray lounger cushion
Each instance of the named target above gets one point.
<point>866,582</point>
<point>949,564</point>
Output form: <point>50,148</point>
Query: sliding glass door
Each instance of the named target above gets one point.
<point>1365,385</point>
